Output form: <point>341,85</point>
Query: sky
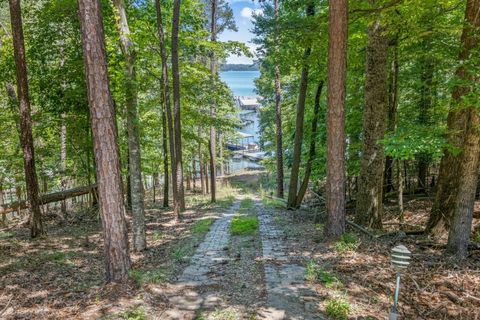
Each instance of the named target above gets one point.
<point>242,10</point>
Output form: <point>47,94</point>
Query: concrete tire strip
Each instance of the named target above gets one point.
<point>201,272</point>
<point>288,296</point>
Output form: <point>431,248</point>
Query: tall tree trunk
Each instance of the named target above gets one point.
<point>461,228</point>
<point>311,153</point>
<point>194,171</point>
<point>220,155</point>
<point>297,147</point>
<point>107,157</point>
<point>205,170</point>
<point>369,206</point>
<point>278,117</point>
<point>26,137</point>
<point>426,104</point>
<point>167,107</point>
<point>213,70</point>
<point>131,93</point>
<point>154,186</point>
<point>449,181</point>
<point>337,72</point>
<point>200,165</point>
<point>392,116</point>
<point>63,160</point>
<point>165,156</point>
<point>176,107</point>
<point>468,159</point>
<point>401,183</point>
<point>3,222</point>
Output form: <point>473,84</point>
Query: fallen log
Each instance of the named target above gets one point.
<point>49,198</point>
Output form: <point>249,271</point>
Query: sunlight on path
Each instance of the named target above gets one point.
<point>288,297</point>
<point>201,271</point>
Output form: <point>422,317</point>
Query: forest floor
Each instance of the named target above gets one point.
<point>244,258</point>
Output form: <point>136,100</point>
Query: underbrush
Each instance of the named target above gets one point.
<point>348,242</point>
<point>202,226</point>
<point>315,273</point>
<point>143,277</point>
<point>244,225</point>
<point>337,308</point>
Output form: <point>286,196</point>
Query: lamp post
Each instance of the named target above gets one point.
<point>400,260</point>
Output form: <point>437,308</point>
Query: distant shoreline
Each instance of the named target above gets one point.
<point>239,67</point>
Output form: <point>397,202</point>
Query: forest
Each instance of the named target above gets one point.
<point>146,173</point>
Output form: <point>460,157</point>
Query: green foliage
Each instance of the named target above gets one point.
<point>273,202</point>
<point>143,277</point>
<point>244,225</point>
<point>157,235</point>
<point>202,226</point>
<point>319,227</point>
<point>134,313</point>
<point>224,315</point>
<point>5,234</point>
<point>337,308</point>
<point>246,203</point>
<point>315,273</point>
<point>348,242</point>
<point>476,236</point>
<point>60,257</point>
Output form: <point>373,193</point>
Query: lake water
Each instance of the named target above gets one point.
<point>242,84</point>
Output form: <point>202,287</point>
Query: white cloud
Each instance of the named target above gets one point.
<point>249,12</point>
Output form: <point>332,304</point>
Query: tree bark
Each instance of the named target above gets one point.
<point>448,184</point>
<point>165,156</point>
<point>177,108</point>
<point>26,136</point>
<point>461,228</point>
<point>167,107</point>
<point>63,160</point>
<point>426,104</point>
<point>468,159</point>
<point>369,206</point>
<point>392,117</point>
<point>3,222</point>
<point>107,157</point>
<point>278,117</point>
<point>46,198</point>
<point>221,165</point>
<point>311,153</point>
<point>131,93</point>
<point>297,147</point>
<point>337,71</point>
<point>213,70</point>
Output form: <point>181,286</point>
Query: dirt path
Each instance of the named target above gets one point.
<point>191,290</point>
<point>288,296</point>
<point>222,276</point>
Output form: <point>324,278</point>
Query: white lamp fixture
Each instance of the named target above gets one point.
<point>401,257</point>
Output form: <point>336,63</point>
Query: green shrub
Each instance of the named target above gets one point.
<point>202,226</point>
<point>273,202</point>
<point>59,257</point>
<point>143,277</point>
<point>476,236</point>
<point>157,235</point>
<point>348,242</point>
<point>5,234</point>
<point>135,313</point>
<point>337,308</point>
<point>246,203</point>
<point>244,225</point>
<point>315,273</point>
